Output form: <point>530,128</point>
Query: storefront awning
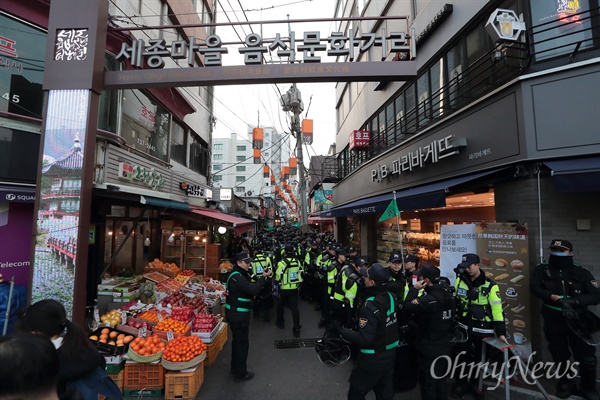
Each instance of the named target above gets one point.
<point>319,220</point>
<point>158,202</point>
<point>427,196</point>
<point>576,175</point>
<point>240,225</point>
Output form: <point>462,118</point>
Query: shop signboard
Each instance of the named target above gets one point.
<point>323,197</point>
<point>503,248</point>
<point>359,140</point>
<point>15,230</point>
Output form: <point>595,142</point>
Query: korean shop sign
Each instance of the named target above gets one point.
<point>312,46</point>
<point>429,154</point>
<point>138,173</point>
<point>195,190</point>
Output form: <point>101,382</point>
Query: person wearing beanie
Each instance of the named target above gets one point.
<point>433,314</point>
<point>566,289</point>
<point>479,311</point>
<point>376,337</point>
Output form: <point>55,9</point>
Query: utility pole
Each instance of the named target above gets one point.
<point>292,101</point>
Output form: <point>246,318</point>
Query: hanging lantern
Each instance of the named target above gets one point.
<point>288,188</point>
<point>285,171</point>
<point>276,189</point>
<point>257,159</point>
<point>293,165</point>
<point>283,183</point>
<point>307,131</point>
<point>272,180</point>
<point>257,138</point>
<point>266,171</point>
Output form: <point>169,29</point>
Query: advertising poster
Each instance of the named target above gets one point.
<point>60,192</point>
<point>15,230</point>
<point>503,249</point>
<point>323,197</point>
<point>455,240</point>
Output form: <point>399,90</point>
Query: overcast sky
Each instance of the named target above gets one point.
<point>237,106</point>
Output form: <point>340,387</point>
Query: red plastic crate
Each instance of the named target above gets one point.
<point>144,376</point>
<point>184,385</point>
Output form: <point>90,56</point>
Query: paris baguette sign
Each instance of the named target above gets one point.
<point>148,60</point>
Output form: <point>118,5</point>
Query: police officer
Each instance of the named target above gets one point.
<point>264,299</point>
<point>398,282</point>
<point>479,311</point>
<point>289,278</point>
<point>310,285</point>
<point>376,337</point>
<point>566,289</point>
<point>433,313</point>
<point>324,262</point>
<point>240,292</point>
<point>345,290</point>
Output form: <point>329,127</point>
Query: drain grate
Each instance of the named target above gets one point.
<point>295,343</point>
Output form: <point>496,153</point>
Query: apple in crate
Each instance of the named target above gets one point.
<point>204,323</point>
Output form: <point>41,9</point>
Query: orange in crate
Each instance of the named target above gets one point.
<point>144,376</point>
<point>184,385</point>
<point>213,349</point>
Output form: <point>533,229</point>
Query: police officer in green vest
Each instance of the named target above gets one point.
<point>376,338</point>
<point>264,299</point>
<point>240,292</point>
<point>345,290</point>
<point>288,278</point>
<point>324,260</point>
<point>479,311</point>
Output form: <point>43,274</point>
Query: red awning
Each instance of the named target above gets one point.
<point>240,225</point>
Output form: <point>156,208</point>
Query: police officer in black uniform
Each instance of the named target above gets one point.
<point>566,289</point>
<point>240,292</point>
<point>433,318</point>
<point>376,337</point>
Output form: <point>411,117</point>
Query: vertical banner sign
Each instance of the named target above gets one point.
<point>59,204</point>
<point>455,240</point>
<point>503,248</point>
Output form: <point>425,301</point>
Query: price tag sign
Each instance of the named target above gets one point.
<point>170,335</point>
<point>159,315</point>
<point>142,332</point>
<point>96,315</point>
<point>123,317</point>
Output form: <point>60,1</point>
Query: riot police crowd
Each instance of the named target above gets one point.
<point>401,323</point>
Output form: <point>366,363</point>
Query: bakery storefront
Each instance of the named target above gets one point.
<point>499,160</point>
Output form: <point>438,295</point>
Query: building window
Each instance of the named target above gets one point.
<point>454,68</point>
<point>199,155</point>
<point>240,189</point>
<point>423,99</point>
<point>218,146</point>
<point>241,148</point>
<point>145,124</point>
<point>562,30</point>
<point>218,178</point>
<point>240,168</point>
<point>240,178</point>
<point>178,143</point>
<point>217,167</point>
<point>217,156</point>
<point>410,107</point>
<point>240,158</point>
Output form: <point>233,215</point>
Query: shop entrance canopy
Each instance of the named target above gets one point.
<point>240,225</point>
<point>576,175</point>
<point>427,196</point>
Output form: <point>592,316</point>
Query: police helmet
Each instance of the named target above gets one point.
<point>332,351</point>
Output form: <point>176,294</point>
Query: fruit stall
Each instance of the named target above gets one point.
<point>158,331</point>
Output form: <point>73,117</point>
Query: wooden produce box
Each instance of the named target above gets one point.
<point>184,385</point>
